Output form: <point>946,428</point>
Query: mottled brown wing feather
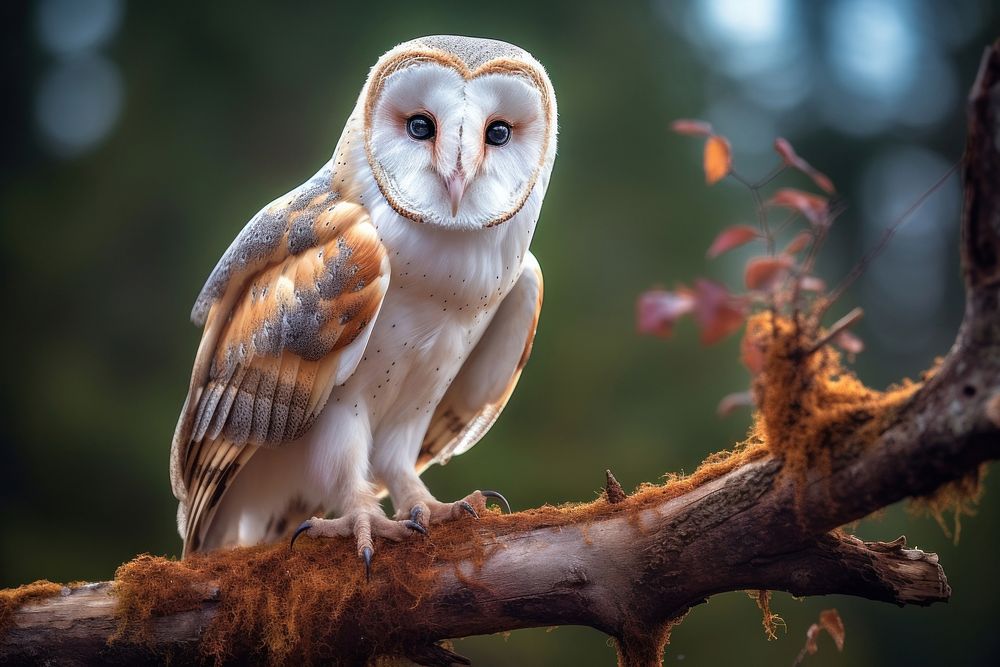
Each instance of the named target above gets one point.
<point>486,381</point>
<point>281,330</point>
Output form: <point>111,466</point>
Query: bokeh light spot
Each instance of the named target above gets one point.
<point>78,102</point>
<point>71,26</point>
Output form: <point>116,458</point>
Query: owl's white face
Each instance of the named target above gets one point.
<point>457,149</point>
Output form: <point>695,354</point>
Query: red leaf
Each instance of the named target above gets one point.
<point>821,180</point>
<point>785,150</point>
<point>691,128</point>
<point>813,207</point>
<point>751,355</point>
<point>849,342</point>
<point>718,159</point>
<point>811,634</point>
<point>731,402</point>
<point>792,159</point>
<point>658,310</point>
<point>831,622</point>
<point>799,243</point>
<point>764,272</point>
<point>731,237</point>
<point>717,312</point>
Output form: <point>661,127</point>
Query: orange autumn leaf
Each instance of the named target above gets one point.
<point>718,159</point>
<point>691,128</point>
<point>764,272</point>
<point>731,237</point>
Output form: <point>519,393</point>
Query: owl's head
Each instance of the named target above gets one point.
<point>458,130</point>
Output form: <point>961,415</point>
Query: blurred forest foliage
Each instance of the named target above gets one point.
<point>139,137</point>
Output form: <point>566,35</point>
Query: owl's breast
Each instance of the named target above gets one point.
<point>445,286</point>
<point>417,347</point>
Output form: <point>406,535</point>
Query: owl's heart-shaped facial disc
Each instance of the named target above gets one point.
<point>454,142</point>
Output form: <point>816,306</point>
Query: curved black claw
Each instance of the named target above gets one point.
<point>468,508</point>
<point>366,554</point>
<point>498,496</point>
<point>417,514</point>
<point>303,527</point>
<point>413,525</point>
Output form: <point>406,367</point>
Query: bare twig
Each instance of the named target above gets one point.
<point>613,490</point>
<point>844,323</point>
<point>884,240</point>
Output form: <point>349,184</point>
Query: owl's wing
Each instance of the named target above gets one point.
<point>488,377</point>
<point>287,314</point>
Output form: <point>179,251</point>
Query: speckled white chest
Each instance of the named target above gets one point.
<point>444,289</point>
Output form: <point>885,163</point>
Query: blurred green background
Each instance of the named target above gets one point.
<point>139,137</point>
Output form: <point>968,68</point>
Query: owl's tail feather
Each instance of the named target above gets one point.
<point>230,529</point>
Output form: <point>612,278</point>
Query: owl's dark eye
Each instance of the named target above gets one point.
<point>497,133</point>
<point>420,127</point>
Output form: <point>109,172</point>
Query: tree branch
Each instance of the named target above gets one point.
<point>578,581</point>
<point>633,565</point>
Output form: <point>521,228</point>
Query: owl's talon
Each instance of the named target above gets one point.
<point>303,527</point>
<point>468,508</point>
<point>417,514</point>
<point>499,497</point>
<point>366,554</point>
<point>413,525</point>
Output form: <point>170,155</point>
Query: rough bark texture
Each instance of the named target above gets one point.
<point>630,574</point>
<point>573,576</point>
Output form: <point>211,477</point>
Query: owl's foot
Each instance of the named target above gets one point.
<point>428,512</point>
<point>364,525</point>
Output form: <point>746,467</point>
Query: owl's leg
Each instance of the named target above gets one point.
<point>392,461</point>
<point>340,466</point>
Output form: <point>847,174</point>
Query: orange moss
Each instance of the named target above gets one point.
<point>769,619</point>
<point>958,498</point>
<point>285,605</point>
<point>644,645</point>
<point>178,587</point>
<point>810,407</point>
<point>11,599</point>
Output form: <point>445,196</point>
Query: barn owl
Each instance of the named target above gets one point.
<point>374,320</point>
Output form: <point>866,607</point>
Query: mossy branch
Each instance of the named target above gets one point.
<point>571,573</point>
<point>756,519</point>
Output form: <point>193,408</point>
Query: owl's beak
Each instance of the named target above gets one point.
<point>457,183</point>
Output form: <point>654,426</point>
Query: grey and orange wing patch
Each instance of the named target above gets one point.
<point>277,340</point>
<point>487,379</point>
<point>289,339</point>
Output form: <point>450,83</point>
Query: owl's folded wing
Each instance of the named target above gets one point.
<point>287,313</point>
<point>487,379</point>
